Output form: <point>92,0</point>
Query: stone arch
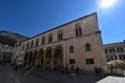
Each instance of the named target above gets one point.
<point>31,58</point>
<point>78,29</point>
<point>41,57</point>
<point>28,58</point>
<point>50,38</point>
<point>35,58</point>
<point>58,57</point>
<point>25,58</point>
<point>48,57</point>
<point>48,52</point>
<point>88,47</point>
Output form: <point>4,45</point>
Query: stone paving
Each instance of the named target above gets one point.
<point>7,75</point>
<point>56,77</point>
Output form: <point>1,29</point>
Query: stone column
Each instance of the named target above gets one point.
<point>44,60</point>
<point>52,62</point>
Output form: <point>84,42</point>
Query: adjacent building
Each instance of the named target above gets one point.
<point>6,53</point>
<point>115,51</point>
<point>77,43</point>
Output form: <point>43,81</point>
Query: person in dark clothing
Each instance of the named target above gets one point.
<point>100,70</point>
<point>96,70</point>
<point>16,67</point>
<point>66,69</point>
<point>77,70</point>
<point>72,68</point>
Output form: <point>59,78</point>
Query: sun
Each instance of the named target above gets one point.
<point>107,3</point>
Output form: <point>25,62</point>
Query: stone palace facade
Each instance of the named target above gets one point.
<point>77,43</point>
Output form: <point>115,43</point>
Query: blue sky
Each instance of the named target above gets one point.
<point>31,17</point>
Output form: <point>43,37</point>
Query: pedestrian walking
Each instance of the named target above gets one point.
<point>77,70</point>
<point>96,70</point>
<point>16,67</point>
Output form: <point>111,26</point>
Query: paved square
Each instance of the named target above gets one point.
<point>7,75</point>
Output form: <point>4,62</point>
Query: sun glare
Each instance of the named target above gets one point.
<point>107,3</point>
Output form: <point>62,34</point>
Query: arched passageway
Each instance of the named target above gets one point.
<point>58,57</point>
<point>48,58</point>
<point>41,58</point>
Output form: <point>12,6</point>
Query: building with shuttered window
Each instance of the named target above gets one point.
<point>115,51</point>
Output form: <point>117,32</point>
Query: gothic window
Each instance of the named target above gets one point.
<point>71,49</point>
<point>50,38</point>
<point>27,45</point>
<point>23,46</point>
<point>31,43</point>
<point>37,42</point>
<point>87,47</point>
<point>60,35</point>
<point>43,40</point>
<point>78,30</point>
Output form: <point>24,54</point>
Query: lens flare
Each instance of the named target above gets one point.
<point>107,3</point>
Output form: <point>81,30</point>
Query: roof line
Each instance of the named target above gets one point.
<point>61,26</point>
<point>114,43</point>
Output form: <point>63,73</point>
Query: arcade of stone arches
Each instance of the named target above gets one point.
<point>45,58</point>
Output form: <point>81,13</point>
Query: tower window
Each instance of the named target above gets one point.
<point>43,40</point>
<point>87,47</point>
<point>50,38</point>
<point>78,30</point>
<point>60,35</point>
<point>71,49</point>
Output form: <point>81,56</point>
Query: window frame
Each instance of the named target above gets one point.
<point>88,47</point>
<point>72,61</point>
<point>90,61</point>
<point>71,49</point>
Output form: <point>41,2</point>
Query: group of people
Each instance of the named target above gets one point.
<point>98,70</point>
<point>71,69</point>
<point>65,69</point>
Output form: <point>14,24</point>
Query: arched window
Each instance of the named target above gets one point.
<point>32,43</point>
<point>60,35</point>
<point>78,30</point>
<point>23,46</point>
<point>27,45</point>
<point>43,40</point>
<point>50,38</point>
<point>88,47</point>
<point>48,52</point>
<point>71,49</point>
<point>37,42</point>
